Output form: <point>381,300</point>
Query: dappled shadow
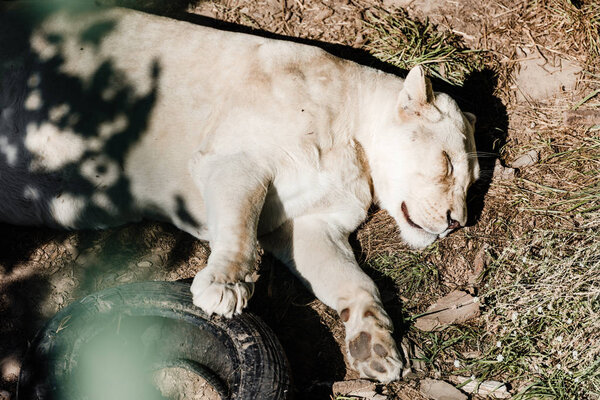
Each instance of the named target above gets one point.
<point>71,128</point>
<point>76,175</point>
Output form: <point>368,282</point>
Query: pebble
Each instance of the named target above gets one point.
<point>440,390</point>
<point>345,387</point>
<point>494,389</point>
<point>144,264</point>
<point>359,387</point>
<point>454,308</point>
<point>526,160</point>
<point>503,173</point>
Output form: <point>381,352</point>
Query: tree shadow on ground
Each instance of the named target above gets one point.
<point>34,90</point>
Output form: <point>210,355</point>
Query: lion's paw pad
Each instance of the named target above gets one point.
<point>224,299</point>
<point>375,358</point>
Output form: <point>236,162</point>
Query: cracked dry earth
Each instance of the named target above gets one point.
<point>43,270</point>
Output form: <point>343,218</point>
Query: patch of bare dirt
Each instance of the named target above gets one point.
<point>181,384</point>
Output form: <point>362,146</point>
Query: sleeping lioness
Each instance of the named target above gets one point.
<point>111,115</point>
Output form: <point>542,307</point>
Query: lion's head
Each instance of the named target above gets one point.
<point>424,162</point>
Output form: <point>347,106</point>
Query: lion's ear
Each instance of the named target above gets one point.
<point>416,91</point>
<point>471,118</point>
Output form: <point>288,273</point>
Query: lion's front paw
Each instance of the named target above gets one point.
<point>371,349</point>
<point>214,296</point>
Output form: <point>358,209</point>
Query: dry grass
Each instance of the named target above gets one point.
<point>540,330</point>
<point>544,288</point>
<point>580,20</point>
<point>544,298</point>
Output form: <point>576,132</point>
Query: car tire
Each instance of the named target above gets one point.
<point>156,322</point>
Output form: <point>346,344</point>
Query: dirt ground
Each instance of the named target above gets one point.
<point>534,71</point>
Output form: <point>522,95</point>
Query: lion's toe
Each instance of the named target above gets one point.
<point>375,356</point>
<point>225,299</point>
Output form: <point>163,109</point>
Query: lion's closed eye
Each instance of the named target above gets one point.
<point>448,168</point>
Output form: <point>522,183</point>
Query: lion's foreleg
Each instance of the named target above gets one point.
<point>234,189</point>
<point>320,255</point>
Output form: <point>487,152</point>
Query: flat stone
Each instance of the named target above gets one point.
<point>440,390</point>
<point>494,389</point>
<point>367,395</point>
<point>503,173</point>
<point>427,7</point>
<point>454,308</point>
<point>479,264</point>
<point>526,160</point>
<point>360,388</point>
<point>582,117</point>
<point>346,387</point>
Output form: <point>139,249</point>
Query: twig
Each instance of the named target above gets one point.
<point>537,47</point>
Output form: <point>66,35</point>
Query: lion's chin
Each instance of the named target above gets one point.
<point>416,238</point>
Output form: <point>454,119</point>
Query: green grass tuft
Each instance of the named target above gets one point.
<point>410,270</point>
<point>404,42</point>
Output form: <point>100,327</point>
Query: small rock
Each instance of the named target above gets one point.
<point>525,160</point>
<point>368,395</point>
<point>582,117</point>
<point>396,3</point>
<point>503,173</point>
<point>479,263</point>
<point>359,387</point>
<point>440,390</point>
<point>413,354</point>
<point>206,11</point>
<point>10,368</point>
<point>495,389</point>
<point>144,264</point>
<point>454,308</point>
<point>472,354</point>
<point>346,387</point>
<point>324,14</point>
<point>274,6</point>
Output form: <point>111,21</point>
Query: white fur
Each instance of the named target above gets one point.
<point>247,138</point>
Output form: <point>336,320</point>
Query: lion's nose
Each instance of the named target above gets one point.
<point>452,223</point>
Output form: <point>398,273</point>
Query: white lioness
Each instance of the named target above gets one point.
<point>113,115</point>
